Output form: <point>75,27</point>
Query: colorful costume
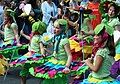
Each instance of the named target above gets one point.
<point>10,41</point>
<point>33,57</point>
<point>86,41</point>
<point>76,50</point>
<point>112,21</point>
<point>52,70</point>
<point>102,76</point>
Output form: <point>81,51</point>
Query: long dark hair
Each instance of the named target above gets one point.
<point>111,46</point>
<point>110,42</point>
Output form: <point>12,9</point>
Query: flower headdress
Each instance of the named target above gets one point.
<point>39,27</point>
<point>101,26</point>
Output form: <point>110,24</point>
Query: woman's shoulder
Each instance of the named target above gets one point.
<point>103,52</point>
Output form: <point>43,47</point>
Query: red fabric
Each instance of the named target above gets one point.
<point>95,8</point>
<point>76,55</point>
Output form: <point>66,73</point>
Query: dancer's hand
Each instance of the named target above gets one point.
<point>21,32</point>
<point>66,70</point>
<point>18,44</point>
<point>88,61</point>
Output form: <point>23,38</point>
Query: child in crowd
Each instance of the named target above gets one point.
<point>38,28</point>
<point>103,51</point>
<point>61,52</point>
<point>10,30</point>
<point>61,49</point>
<point>36,45</point>
<point>61,42</point>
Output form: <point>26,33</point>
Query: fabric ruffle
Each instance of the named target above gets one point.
<point>107,80</point>
<point>53,69</point>
<point>74,45</point>
<point>115,69</point>
<point>104,82</point>
<point>12,49</point>
<point>8,44</point>
<point>34,58</point>
<point>117,57</point>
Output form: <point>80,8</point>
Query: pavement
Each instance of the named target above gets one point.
<point>13,78</point>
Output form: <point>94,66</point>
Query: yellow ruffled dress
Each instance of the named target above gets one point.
<point>3,65</point>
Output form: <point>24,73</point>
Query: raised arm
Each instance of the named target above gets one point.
<point>23,34</point>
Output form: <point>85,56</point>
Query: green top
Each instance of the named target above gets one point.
<point>112,22</point>
<point>9,33</point>
<point>61,54</point>
<point>85,27</point>
<point>107,63</point>
<point>35,43</point>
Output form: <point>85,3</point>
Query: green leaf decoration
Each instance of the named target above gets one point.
<point>39,75</point>
<point>14,48</point>
<point>108,28</point>
<point>31,70</point>
<point>82,70</point>
<point>99,28</point>
<point>89,39</point>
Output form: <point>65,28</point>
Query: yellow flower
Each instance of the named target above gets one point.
<point>74,45</point>
<point>46,38</point>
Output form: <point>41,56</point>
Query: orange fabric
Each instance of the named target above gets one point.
<point>95,8</point>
